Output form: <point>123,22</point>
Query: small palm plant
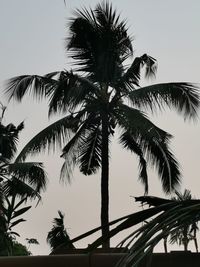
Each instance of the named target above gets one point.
<point>58,237</point>
<point>188,231</point>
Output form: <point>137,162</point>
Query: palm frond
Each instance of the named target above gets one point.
<point>183,97</point>
<point>90,155</point>
<point>70,152</point>
<point>130,221</point>
<point>52,137</point>
<point>82,150</point>
<point>36,85</point>
<point>132,75</point>
<point>138,124</point>
<point>170,220</point>
<point>129,143</point>
<point>70,91</point>
<point>14,186</point>
<point>154,144</point>
<point>162,220</point>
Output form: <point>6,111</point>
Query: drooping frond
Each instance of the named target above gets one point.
<point>129,221</point>
<point>36,85</point>
<point>183,97</point>
<point>70,153</point>
<point>138,124</point>
<point>90,155</point>
<point>129,143</point>
<point>82,149</point>
<point>51,137</point>
<point>15,186</point>
<point>132,75</point>
<point>154,144</point>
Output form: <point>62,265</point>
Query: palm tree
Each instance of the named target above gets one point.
<point>188,231</point>
<point>57,237</point>
<point>101,94</point>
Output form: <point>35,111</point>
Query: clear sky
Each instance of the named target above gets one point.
<point>32,42</point>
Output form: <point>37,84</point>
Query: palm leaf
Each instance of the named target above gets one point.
<point>90,155</point>
<point>183,97</point>
<point>71,151</point>
<point>36,85</point>
<point>138,124</point>
<point>69,92</point>
<point>17,187</point>
<point>165,219</point>
<point>129,143</point>
<point>154,144</point>
<point>132,75</point>
<point>51,137</point>
<point>82,147</point>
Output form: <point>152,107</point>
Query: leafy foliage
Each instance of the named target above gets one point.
<point>18,182</point>
<point>9,218</point>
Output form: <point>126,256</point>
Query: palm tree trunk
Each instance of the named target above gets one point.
<point>105,180</point>
<point>165,244</point>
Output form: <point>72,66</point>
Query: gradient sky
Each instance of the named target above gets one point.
<point>32,42</point>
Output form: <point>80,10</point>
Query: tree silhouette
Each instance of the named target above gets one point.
<point>57,237</point>
<point>101,95</point>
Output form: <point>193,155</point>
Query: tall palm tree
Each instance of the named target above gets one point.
<point>103,93</point>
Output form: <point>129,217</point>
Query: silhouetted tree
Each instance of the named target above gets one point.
<point>187,232</point>
<point>57,236</point>
<point>103,94</point>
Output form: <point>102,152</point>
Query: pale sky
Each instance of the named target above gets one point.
<point>32,42</point>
